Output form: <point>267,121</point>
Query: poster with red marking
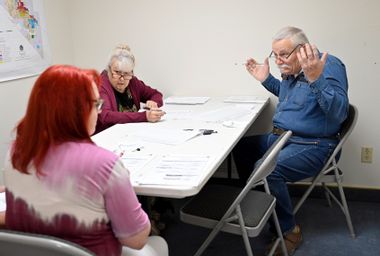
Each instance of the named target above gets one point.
<point>24,49</point>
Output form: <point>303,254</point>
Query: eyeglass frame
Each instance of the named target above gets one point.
<point>272,55</point>
<point>98,104</point>
<point>119,74</point>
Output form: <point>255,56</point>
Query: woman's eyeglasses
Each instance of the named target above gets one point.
<point>99,104</point>
<point>118,74</point>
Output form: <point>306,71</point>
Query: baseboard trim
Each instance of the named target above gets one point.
<point>352,194</point>
<point>297,190</point>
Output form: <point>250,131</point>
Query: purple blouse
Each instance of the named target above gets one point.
<point>110,114</point>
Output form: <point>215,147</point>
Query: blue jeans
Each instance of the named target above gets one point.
<point>300,158</point>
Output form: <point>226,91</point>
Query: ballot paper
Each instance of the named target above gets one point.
<point>176,170</point>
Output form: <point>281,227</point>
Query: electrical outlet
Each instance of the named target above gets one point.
<point>367,154</point>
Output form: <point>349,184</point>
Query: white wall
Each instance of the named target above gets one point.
<point>191,47</point>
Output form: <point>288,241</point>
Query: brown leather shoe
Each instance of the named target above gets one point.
<point>293,240</point>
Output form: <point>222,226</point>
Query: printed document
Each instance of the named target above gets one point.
<point>135,162</point>
<point>176,170</point>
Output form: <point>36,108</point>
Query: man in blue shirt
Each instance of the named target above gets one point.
<point>313,103</point>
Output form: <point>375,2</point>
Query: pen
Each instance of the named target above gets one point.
<point>150,109</point>
<point>256,64</point>
<point>138,149</point>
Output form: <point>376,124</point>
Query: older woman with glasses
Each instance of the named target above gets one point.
<point>59,183</point>
<point>123,92</point>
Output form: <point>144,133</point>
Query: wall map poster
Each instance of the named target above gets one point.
<point>24,48</point>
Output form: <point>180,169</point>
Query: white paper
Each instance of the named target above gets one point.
<point>166,135</point>
<point>135,161</point>
<point>3,205</point>
<point>128,148</point>
<point>225,113</point>
<point>176,170</point>
<point>186,100</point>
<point>177,115</point>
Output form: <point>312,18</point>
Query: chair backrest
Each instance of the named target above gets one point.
<point>345,131</point>
<point>268,162</point>
<point>20,243</point>
<point>265,165</point>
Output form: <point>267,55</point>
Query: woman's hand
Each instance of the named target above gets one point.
<point>151,104</point>
<point>154,114</point>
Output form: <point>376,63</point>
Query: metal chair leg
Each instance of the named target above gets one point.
<point>280,238</point>
<point>327,195</point>
<point>346,211</point>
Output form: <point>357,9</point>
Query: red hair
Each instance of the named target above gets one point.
<point>58,111</point>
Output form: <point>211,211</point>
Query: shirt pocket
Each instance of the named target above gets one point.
<point>299,95</point>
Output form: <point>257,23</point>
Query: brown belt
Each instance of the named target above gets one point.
<point>279,131</point>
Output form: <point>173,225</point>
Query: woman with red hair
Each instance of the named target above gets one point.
<point>59,183</point>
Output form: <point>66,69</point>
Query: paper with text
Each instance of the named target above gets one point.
<point>134,162</point>
<point>176,170</point>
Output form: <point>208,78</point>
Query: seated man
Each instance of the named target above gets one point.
<point>313,103</point>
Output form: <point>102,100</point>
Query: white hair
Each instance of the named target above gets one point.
<point>123,55</point>
<point>296,35</point>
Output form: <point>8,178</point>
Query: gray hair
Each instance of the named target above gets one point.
<point>122,54</point>
<point>296,35</point>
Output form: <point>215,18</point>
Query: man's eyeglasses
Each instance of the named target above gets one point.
<point>118,74</point>
<point>98,104</point>
<point>283,56</point>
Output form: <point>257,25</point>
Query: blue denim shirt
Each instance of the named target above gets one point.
<point>314,109</point>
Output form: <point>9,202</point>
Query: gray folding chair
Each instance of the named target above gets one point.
<point>331,173</point>
<point>21,243</point>
<point>239,211</point>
